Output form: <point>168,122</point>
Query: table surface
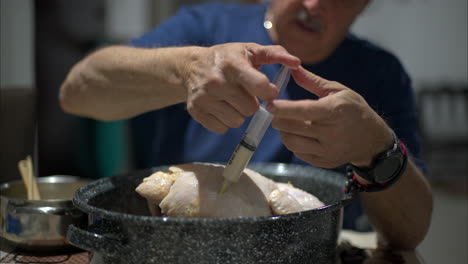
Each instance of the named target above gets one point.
<point>354,247</point>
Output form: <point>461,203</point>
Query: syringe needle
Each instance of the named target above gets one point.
<point>237,163</point>
<point>224,186</point>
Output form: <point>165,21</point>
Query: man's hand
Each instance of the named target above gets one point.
<point>336,129</point>
<point>340,128</point>
<point>223,82</point>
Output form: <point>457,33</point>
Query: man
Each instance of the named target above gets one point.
<point>204,57</point>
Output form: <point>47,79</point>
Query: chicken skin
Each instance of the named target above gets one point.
<point>191,190</point>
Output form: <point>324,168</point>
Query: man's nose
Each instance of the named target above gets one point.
<point>313,6</point>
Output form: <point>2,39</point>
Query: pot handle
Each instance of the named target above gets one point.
<point>93,238</point>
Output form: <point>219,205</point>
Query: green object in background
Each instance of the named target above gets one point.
<point>85,159</point>
<point>102,148</point>
<point>110,148</point>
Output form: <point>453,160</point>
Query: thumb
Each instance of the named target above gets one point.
<point>314,83</point>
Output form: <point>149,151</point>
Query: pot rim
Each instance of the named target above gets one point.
<point>45,179</point>
<point>81,201</point>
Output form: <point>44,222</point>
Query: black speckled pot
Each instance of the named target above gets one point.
<point>121,231</point>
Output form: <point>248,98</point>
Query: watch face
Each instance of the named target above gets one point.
<point>386,170</point>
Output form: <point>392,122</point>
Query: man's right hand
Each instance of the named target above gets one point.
<point>220,83</point>
<point>223,82</point>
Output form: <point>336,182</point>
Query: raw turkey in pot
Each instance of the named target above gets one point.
<point>120,230</point>
<point>191,190</point>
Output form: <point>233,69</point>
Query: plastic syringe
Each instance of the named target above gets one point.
<point>252,136</point>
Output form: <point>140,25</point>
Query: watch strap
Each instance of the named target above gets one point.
<point>352,184</point>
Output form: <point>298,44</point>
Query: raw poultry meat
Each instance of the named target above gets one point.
<point>191,190</point>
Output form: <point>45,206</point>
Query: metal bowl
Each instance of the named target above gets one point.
<point>39,225</point>
<point>121,229</point>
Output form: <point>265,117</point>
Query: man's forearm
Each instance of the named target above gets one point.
<point>401,214</point>
<point>121,82</point>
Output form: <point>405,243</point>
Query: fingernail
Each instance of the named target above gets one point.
<point>296,69</point>
<point>270,107</point>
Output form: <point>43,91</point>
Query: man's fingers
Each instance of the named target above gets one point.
<point>260,55</point>
<point>300,144</point>
<point>213,124</point>
<point>243,102</point>
<point>314,83</point>
<point>312,110</point>
<point>256,83</point>
<point>208,121</point>
<point>225,113</point>
<point>297,127</point>
<point>244,70</point>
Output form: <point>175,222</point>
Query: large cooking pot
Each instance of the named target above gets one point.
<point>39,225</point>
<point>121,229</point>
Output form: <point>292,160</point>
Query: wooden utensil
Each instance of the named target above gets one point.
<point>35,188</point>
<point>26,170</point>
<point>22,167</point>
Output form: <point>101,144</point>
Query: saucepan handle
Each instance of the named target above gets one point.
<point>94,238</point>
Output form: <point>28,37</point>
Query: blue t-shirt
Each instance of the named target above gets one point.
<point>171,136</point>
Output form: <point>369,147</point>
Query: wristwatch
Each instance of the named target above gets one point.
<point>384,171</point>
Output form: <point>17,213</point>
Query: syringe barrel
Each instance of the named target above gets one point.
<point>257,127</point>
<point>262,119</point>
<point>237,163</point>
<point>253,134</point>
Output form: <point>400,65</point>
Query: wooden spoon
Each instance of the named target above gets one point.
<point>26,170</point>
<point>22,167</point>
<point>35,188</point>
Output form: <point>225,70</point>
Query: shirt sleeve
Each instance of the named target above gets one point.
<point>398,108</point>
<point>186,28</point>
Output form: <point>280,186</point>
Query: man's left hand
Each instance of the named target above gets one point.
<point>336,129</point>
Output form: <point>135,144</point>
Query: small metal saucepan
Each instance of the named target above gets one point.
<point>39,226</point>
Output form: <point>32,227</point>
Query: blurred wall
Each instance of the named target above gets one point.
<point>126,19</point>
<point>17,93</point>
<point>429,36</point>
<point>17,41</point>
